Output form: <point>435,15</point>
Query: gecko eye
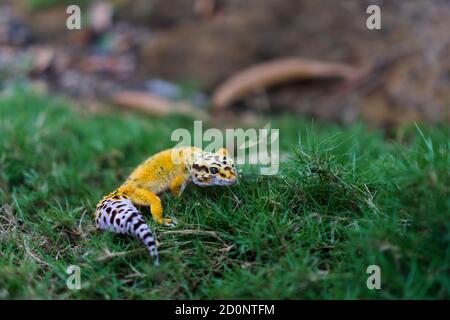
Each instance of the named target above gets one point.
<point>214,170</point>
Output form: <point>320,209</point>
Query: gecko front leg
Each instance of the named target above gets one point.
<point>144,197</point>
<point>178,185</point>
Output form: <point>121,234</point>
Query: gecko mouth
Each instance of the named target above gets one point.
<point>215,183</point>
<point>226,182</point>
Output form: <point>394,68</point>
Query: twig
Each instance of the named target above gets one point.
<point>32,255</point>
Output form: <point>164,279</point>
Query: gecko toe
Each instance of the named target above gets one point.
<point>170,223</point>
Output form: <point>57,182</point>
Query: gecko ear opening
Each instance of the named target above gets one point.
<point>223,152</point>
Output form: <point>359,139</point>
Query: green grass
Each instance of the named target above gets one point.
<point>347,198</point>
<point>45,4</point>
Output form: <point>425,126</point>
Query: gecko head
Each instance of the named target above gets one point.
<point>213,169</point>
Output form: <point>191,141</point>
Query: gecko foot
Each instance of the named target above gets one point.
<point>170,222</point>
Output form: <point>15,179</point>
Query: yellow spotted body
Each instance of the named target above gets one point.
<point>159,172</point>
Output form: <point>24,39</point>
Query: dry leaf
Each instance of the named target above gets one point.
<point>152,104</point>
<point>277,72</point>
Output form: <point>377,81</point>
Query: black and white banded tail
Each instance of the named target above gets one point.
<point>118,214</point>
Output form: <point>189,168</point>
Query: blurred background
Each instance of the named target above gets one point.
<point>231,59</point>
